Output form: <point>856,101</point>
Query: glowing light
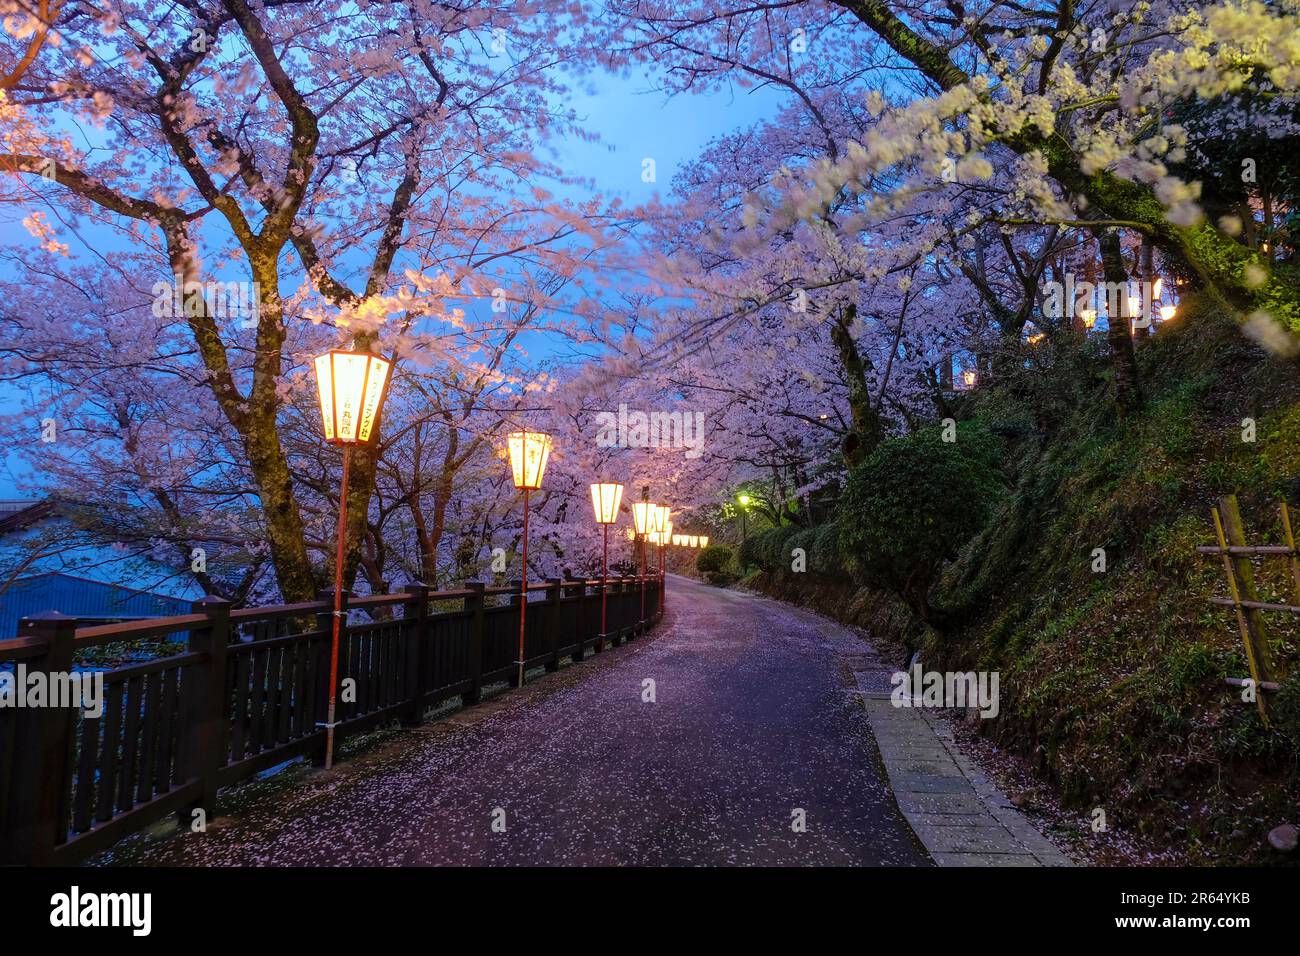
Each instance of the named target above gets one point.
<point>643,517</point>
<point>529,452</point>
<point>659,519</point>
<point>350,386</point>
<point>605,499</point>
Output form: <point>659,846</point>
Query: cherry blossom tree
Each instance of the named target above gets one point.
<point>370,169</point>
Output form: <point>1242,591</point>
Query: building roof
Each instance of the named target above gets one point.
<point>16,513</point>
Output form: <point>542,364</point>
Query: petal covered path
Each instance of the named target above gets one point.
<point>753,727</point>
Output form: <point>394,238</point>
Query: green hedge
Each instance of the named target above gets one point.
<point>714,559</point>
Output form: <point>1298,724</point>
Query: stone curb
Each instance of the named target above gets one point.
<point>957,813</point>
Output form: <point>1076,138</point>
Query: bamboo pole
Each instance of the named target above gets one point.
<point>1290,543</point>
<point>1228,529</point>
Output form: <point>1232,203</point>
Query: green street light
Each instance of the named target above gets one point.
<point>744,503</point>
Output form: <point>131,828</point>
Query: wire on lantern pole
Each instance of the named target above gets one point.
<point>351,387</point>
<point>528,452</point>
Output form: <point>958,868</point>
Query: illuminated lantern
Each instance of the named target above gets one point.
<point>1089,317</point>
<point>643,517</point>
<point>605,499</point>
<point>704,541</point>
<point>1167,312</point>
<point>968,378</point>
<point>529,452</point>
<point>660,519</point>
<point>351,390</point>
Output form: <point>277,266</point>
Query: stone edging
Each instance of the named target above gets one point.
<point>958,814</point>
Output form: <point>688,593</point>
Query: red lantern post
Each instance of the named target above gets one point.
<point>528,452</point>
<point>351,388</point>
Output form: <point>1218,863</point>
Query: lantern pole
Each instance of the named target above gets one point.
<point>523,590</point>
<point>645,498</point>
<point>604,582</point>
<point>663,547</point>
<point>338,608</point>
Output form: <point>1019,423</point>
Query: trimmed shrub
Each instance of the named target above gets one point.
<point>714,559</point>
<point>766,550</point>
<point>913,503</point>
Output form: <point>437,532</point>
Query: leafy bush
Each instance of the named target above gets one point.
<point>746,554</point>
<point>913,503</point>
<point>1285,708</point>
<point>766,550</point>
<point>714,561</point>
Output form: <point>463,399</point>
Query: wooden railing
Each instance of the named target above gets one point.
<point>249,692</point>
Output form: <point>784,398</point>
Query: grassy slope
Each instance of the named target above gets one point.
<point>1112,683</point>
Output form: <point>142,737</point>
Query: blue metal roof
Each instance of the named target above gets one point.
<point>82,598</point>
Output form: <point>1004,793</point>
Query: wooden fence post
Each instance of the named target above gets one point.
<point>635,607</point>
<point>580,619</point>
<point>617,588</point>
<point>415,628</point>
<point>1241,579</point>
<point>517,600</point>
<point>554,593</point>
<point>39,813</point>
<point>474,605</point>
<point>203,706</point>
<point>628,608</point>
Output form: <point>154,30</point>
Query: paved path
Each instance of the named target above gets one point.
<point>954,808</point>
<point>757,716</point>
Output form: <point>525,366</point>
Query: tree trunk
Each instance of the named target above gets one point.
<point>1128,389</point>
<point>865,431</point>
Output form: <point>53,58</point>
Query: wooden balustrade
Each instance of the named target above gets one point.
<point>249,690</point>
